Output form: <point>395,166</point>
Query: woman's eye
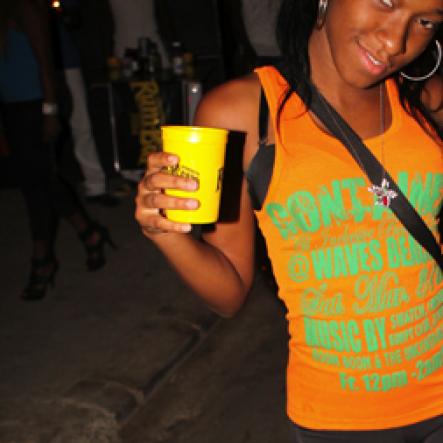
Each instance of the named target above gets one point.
<point>387,3</point>
<point>427,24</point>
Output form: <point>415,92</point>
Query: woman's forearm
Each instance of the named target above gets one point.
<point>206,270</point>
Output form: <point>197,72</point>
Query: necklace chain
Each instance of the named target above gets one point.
<point>383,194</point>
<point>344,135</point>
<point>382,128</point>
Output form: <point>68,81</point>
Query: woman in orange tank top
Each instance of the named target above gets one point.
<point>364,297</point>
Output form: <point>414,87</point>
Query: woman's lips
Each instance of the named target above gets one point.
<point>371,63</point>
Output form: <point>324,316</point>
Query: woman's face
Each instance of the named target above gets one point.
<point>370,39</point>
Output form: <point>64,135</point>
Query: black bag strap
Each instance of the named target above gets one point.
<point>259,172</point>
<point>400,205</point>
<point>263,118</point>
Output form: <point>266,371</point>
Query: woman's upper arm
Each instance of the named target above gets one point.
<point>234,106</point>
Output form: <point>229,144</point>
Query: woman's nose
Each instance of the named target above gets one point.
<point>393,38</point>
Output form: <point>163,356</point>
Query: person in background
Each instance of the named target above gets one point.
<point>239,54</point>
<point>84,147</point>
<point>139,18</point>
<point>94,37</point>
<point>364,299</point>
<point>29,114</point>
<point>260,21</point>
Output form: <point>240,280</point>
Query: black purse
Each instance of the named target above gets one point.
<point>375,172</point>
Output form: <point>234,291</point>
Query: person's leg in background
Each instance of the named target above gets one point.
<point>33,168</point>
<point>85,150</point>
<point>46,196</point>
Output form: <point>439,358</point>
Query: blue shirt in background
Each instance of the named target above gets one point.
<point>19,70</point>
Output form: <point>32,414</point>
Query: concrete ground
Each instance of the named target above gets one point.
<point>127,353</point>
<point>230,390</point>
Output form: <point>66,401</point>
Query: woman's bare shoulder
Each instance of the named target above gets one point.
<point>232,105</point>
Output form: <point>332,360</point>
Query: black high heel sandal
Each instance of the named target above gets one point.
<point>95,251</point>
<point>39,281</point>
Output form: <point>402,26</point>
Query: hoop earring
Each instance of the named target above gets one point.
<point>322,8</point>
<point>434,70</point>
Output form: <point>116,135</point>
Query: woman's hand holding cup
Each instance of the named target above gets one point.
<point>152,202</point>
<point>182,184</point>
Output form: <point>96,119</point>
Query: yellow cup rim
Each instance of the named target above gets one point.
<point>185,128</point>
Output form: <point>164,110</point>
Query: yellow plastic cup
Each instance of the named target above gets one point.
<point>201,152</point>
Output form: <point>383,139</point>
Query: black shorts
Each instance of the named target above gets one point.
<point>428,431</point>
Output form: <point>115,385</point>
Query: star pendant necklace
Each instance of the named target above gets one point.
<point>382,193</point>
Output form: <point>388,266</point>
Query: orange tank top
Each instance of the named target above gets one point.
<point>364,300</point>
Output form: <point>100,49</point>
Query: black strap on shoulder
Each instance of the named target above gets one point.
<point>259,172</point>
<point>400,205</point>
<point>263,118</point>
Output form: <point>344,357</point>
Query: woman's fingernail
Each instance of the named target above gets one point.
<point>192,185</point>
<point>173,159</point>
<point>186,228</point>
<point>192,204</point>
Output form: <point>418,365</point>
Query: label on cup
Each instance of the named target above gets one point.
<point>183,171</point>
<point>186,172</point>
<point>208,194</point>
